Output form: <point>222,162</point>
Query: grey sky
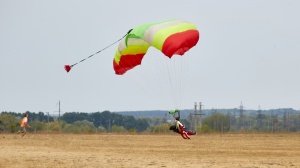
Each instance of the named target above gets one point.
<point>248,51</point>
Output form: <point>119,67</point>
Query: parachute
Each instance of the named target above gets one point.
<point>168,38</point>
<point>162,74</point>
<point>171,37</point>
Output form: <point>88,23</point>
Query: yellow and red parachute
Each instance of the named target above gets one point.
<point>171,37</point>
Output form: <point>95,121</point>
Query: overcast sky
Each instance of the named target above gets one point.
<point>248,52</point>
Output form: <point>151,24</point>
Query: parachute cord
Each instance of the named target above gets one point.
<point>165,86</point>
<point>102,49</point>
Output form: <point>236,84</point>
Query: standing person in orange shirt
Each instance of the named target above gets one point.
<point>24,123</point>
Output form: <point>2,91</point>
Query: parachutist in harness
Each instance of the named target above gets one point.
<point>178,127</point>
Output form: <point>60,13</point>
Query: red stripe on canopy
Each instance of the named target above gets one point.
<point>179,43</point>
<point>127,62</point>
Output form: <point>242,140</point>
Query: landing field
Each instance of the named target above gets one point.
<point>141,151</point>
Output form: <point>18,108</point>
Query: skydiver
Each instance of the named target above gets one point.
<point>180,128</point>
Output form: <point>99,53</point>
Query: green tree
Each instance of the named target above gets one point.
<point>163,128</point>
<point>101,129</point>
<point>79,127</point>
<point>54,126</point>
<point>218,122</point>
<point>141,124</point>
<point>38,126</point>
<point>74,116</point>
<point>118,129</point>
<point>9,123</point>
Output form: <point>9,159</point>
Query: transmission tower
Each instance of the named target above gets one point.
<point>58,119</point>
<point>241,122</point>
<point>195,114</point>
<point>275,123</point>
<point>200,114</point>
<point>259,119</point>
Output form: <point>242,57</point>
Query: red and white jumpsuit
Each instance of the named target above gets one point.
<point>181,129</point>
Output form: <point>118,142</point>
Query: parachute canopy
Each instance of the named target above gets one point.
<point>171,37</point>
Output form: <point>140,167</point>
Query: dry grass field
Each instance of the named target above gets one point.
<point>140,151</point>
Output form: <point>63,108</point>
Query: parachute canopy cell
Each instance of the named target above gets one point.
<point>171,37</point>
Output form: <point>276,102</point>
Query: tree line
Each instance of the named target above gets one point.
<point>74,122</point>
<point>106,121</point>
<point>231,122</point>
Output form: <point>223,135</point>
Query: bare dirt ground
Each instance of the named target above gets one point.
<point>140,151</point>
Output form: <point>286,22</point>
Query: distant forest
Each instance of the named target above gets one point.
<point>214,120</point>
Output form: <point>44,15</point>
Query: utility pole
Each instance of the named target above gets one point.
<point>200,113</point>
<point>109,126</point>
<point>59,115</point>
<point>285,125</point>
<point>275,122</point>
<point>241,122</point>
<point>196,114</point>
<point>260,119</point>
<point>48,123</point>
<point>269,119</point>
<point>59,111</point>
<point>58,119</point>
<point>229,121</point>
<point>288,122</point>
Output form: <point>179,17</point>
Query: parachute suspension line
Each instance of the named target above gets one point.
<point>157,73</point>
<point>177,74</point>
<point>149,68</point>
<point>171,76</point>
<point>183,76</point>
<point>68,67</point>
<point>161,77</point>
<point>157,66</point>
<point>164,79</point>
<point>177,81</point>
<point>142,72</point>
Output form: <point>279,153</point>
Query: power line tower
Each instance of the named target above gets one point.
<point>259,119</point>
<point>58,119</point>
<point>242,117</point>
<point>200,114</point>
<point>48,123</point>
<point>59,111</point>
<point>275,123</point>
<point>286,121</point>
<point>195,116</point>
<point>284,125</point>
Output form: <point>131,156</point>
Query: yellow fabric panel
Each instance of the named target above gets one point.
<point>163,34</point>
